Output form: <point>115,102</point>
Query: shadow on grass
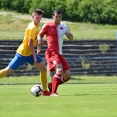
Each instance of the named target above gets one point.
<point>94,94</point>
<point>87,94</point>
<point>76,79</point>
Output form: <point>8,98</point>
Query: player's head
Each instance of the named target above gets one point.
<point>36,16</point>
<point>57,16</point>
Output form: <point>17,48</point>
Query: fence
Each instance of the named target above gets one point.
<point>84,57</point>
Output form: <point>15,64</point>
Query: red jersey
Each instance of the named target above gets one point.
<point>54,36</point>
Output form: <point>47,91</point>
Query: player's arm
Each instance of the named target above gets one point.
<point>40,41</point>
<point>31,46</point>
<point>69,35</point>
<point>41,34</point>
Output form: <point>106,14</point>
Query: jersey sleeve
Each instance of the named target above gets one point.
<point>43,30</point>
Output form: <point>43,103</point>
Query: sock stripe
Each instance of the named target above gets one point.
<point>62,79</point>
<point>57,76</point>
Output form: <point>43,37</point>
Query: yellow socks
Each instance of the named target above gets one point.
<point>43,79</point>
<point>2,73</point>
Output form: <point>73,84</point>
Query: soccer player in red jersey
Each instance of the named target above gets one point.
<point>26,52</point>
<point>54,32</point>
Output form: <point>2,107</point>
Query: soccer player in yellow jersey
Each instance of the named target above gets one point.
<point>26,52</point>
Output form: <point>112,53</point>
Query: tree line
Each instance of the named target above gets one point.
<point>94,11</point>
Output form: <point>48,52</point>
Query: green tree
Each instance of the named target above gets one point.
<point>94,11</point>
<point>36,4</point>
<point>6,4</point>
<point>90,11</point>
<point>18,5</point>
<point>72,10</point>
<point>61,4</point>
<point>109,15</point>
<point>27,5</point>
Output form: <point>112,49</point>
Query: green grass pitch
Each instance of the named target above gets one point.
<point>83,99</point>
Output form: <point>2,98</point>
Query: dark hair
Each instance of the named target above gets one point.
<point>58,11</point>
<point>38,11</point>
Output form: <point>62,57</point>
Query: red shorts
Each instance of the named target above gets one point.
<point>53,59</point>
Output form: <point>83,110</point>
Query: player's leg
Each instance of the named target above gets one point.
<point>56,79</point>
<point>43,75</point>
<point>50,73</point>
<point>54,62</point>
<point>62,74</point>
<point>13,65</point>
<point>66,71</point>
<point>50,83</point>
<point>66,76</point>
<point>2,73</point>
<point>5,72</point>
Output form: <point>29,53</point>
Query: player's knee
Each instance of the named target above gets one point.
<point>44,69</point>
<point>59,71</point>
<point>68,77</point>
<point>9,71</point>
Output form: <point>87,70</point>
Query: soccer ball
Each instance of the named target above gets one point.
<point>36,90</point>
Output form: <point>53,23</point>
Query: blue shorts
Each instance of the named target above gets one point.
<point>19,60</point>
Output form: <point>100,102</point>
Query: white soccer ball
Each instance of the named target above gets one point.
<point>36,90</point>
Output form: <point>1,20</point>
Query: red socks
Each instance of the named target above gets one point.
<point>57,80</point>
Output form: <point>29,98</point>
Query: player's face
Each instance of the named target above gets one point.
<point>36,18</point>
<point>57,18</point>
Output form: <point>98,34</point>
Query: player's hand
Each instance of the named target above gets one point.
<point>40,42</point>
<point>35,60</point>
<point>38,49</point>
<point>69,36</point>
